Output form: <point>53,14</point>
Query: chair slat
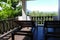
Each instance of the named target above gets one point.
<point>55,25</point>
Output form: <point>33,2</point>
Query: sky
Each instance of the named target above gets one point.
<point>43,5</point>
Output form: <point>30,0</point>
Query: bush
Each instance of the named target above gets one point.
<point>9,12</point>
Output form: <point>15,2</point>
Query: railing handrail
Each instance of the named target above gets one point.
<point>11,31</point>
<point>7,19</point>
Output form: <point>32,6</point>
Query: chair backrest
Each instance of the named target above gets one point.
<point>52,30</point>
<point>52,27</point>
<point>52,24</point>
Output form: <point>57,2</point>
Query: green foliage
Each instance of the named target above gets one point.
<point>18,11</point>
<point>37,13</point>
<point>8,11</point>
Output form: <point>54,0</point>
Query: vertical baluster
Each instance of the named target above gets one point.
<point>45,18</point>
<point>32,18</point>
<point>6,28</point>
<point>9,24</point>
<point>0,28</point>
<point>1,32</point>
<point>52,18</point>
<point>42,19</point>
<point>48,18</point>
<point>37,19</point>
<point>12,24</point>
<point>3,27</point>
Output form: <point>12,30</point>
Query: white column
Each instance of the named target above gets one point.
<point>24,16</point>
<point>24,9</point>
<point>59,10</point>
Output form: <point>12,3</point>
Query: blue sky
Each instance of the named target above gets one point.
<point>43,5</point>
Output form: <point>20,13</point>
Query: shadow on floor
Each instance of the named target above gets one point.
<point>26,38</point>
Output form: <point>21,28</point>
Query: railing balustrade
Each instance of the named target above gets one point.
<point>7,27</point>
<point>12,26</point>
<point>41,19</point>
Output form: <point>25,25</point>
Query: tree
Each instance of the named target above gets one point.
<point>37,13</point>
<point>8,10</point>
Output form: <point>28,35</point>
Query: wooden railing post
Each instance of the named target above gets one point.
<point>12,34</point>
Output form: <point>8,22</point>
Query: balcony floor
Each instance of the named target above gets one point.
<point>38,35</point>
<point>19,37</point>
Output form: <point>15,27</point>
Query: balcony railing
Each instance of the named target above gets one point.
<point>12,26</point>
<point>41,19</point>
<point>6,27</point>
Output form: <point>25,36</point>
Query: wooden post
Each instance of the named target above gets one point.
<point>12,36</point>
